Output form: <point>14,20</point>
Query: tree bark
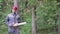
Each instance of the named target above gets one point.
<point>58,18</point>
<point>33,22</point>
<point>16,3</point>
<point>58,23</point>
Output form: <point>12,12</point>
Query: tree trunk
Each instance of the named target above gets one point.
<point>16,3</point>
<point>58,18</point>
<point>33,22</point>
<point>59,24</point>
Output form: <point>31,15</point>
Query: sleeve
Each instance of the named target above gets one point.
<point>7,21</point>
<point>19,20</point>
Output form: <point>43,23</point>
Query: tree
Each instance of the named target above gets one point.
<point>58,18</point>
<point>33,21</point>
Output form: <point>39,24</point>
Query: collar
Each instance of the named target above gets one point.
<point>14,14</point>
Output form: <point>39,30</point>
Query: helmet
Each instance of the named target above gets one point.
<point>14,8</point>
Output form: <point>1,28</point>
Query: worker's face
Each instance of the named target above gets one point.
<point>13,11</point>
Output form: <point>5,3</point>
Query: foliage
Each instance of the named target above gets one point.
<point>46,16</point>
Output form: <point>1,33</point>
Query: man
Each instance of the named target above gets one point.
<point>11,19</point>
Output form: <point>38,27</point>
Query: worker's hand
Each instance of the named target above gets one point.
<point>15,24</point>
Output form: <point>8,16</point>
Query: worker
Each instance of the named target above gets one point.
<point>12,19</point>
